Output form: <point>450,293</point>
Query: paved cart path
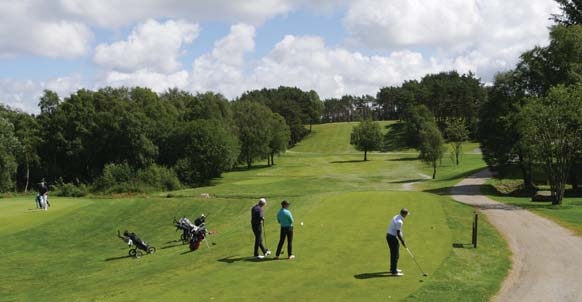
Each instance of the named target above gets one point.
<point>547,258</point>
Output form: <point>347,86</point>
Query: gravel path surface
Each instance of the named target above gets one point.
<point>547,258</point>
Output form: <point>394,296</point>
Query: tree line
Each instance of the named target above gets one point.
<point>133,139</point>
<point>530,118</point>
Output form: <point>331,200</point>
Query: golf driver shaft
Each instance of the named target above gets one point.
<point>413,258</point>
<point>265,233</point>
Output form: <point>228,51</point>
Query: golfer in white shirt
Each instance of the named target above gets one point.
<point>394,234</point>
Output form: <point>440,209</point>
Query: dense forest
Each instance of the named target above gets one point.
<point>132,139</point>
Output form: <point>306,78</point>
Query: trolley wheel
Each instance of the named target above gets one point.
<point>132,252</point>
<point>151,250</point>
<point>138,253</point>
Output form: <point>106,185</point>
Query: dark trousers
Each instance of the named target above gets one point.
<point>394,252</point>
<point>286,232</point>
<point>258,230</point>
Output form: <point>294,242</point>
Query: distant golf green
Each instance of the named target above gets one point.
<point>70,253</point>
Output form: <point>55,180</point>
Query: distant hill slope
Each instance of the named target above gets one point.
<point>331,138</point>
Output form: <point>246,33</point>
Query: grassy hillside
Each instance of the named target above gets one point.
<point>70,253</point>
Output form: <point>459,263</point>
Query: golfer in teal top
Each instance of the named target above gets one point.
<point>285,219</point>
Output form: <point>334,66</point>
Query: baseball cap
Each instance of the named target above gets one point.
<point>262,201</point>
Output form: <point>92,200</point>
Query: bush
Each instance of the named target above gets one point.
<point>158,177</point>
<point>113,175</point>
<point>69,189</point>
<point>121,178</point>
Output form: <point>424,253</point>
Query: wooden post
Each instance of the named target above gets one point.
<point>475,224</point>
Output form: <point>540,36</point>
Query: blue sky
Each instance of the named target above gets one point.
<point>333,47</point>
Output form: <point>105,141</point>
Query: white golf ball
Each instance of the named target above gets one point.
<point>301,223</point>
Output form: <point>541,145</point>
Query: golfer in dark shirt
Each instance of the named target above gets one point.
<point>257,220</point>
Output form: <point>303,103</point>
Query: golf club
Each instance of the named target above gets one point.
<point>265,234</point>
<point>411,255</point>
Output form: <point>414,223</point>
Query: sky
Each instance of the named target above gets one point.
<point>333,47</point>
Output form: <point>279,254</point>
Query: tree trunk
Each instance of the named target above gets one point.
<point>273,159</point>
<point>573,176</point>
<point>434,167</point>
<point>527,177</point>
<point>249,161</point>
<point>27,175</point>
<point>365,155</point>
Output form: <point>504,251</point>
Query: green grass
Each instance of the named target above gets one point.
<point>70,253</point>
<point>569,214</point>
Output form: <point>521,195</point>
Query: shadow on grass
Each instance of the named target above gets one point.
<point>407,181</point>
<point>374,275</point>
<point>466,174</point>
<point>232,259</point>
<point>462,245</point>
<point>396,138</point>
<point>403,159</point>
<point>245,168</point>
<point>347,161</point>
<point>171,246</point>
<point>118,258</point>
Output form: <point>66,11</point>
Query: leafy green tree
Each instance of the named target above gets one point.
<point>555,133</point>
<point>419,118</point>
<point>500,128</point>
<point>558,63</point>
<point>571,12</point>
<point>9,147</point>
<point>296,106</point>
<point>280,135</point>
<point>367,136</point>
<point>211,148</point>
<point>253,121</point>
<point>431,147</point>
<point>457,133</point>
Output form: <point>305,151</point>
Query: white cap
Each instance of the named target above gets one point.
<point>262,201</point>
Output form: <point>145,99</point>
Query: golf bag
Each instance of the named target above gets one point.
<point>135,244</point>
<point>187,227</point>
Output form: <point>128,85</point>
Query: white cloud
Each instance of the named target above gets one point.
<point>114,13</point>
<point>484,36</point>
<point>25,94</point>
<point>305,62</point>
<point>158,82</point>
<point>152,45</point>
<point>25,30</point>
<point>149,57</point>
<point>223,69</point>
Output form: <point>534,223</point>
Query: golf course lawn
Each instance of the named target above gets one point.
<point>71,253</point>
<point>567,214</point>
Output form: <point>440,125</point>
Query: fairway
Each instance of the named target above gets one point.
<point>70,253</point>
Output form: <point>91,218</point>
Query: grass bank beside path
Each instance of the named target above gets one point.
<point>70,253</point>
<point>568,215</point>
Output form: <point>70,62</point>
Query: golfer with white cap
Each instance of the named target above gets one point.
<point>257,221</point>
<point>394,234</point>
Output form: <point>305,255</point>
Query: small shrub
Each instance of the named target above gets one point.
<point>70,190</point>
<point>158,177</point>
<point>113,175</point>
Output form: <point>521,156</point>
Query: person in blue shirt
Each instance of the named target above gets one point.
<point>285,219</point>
